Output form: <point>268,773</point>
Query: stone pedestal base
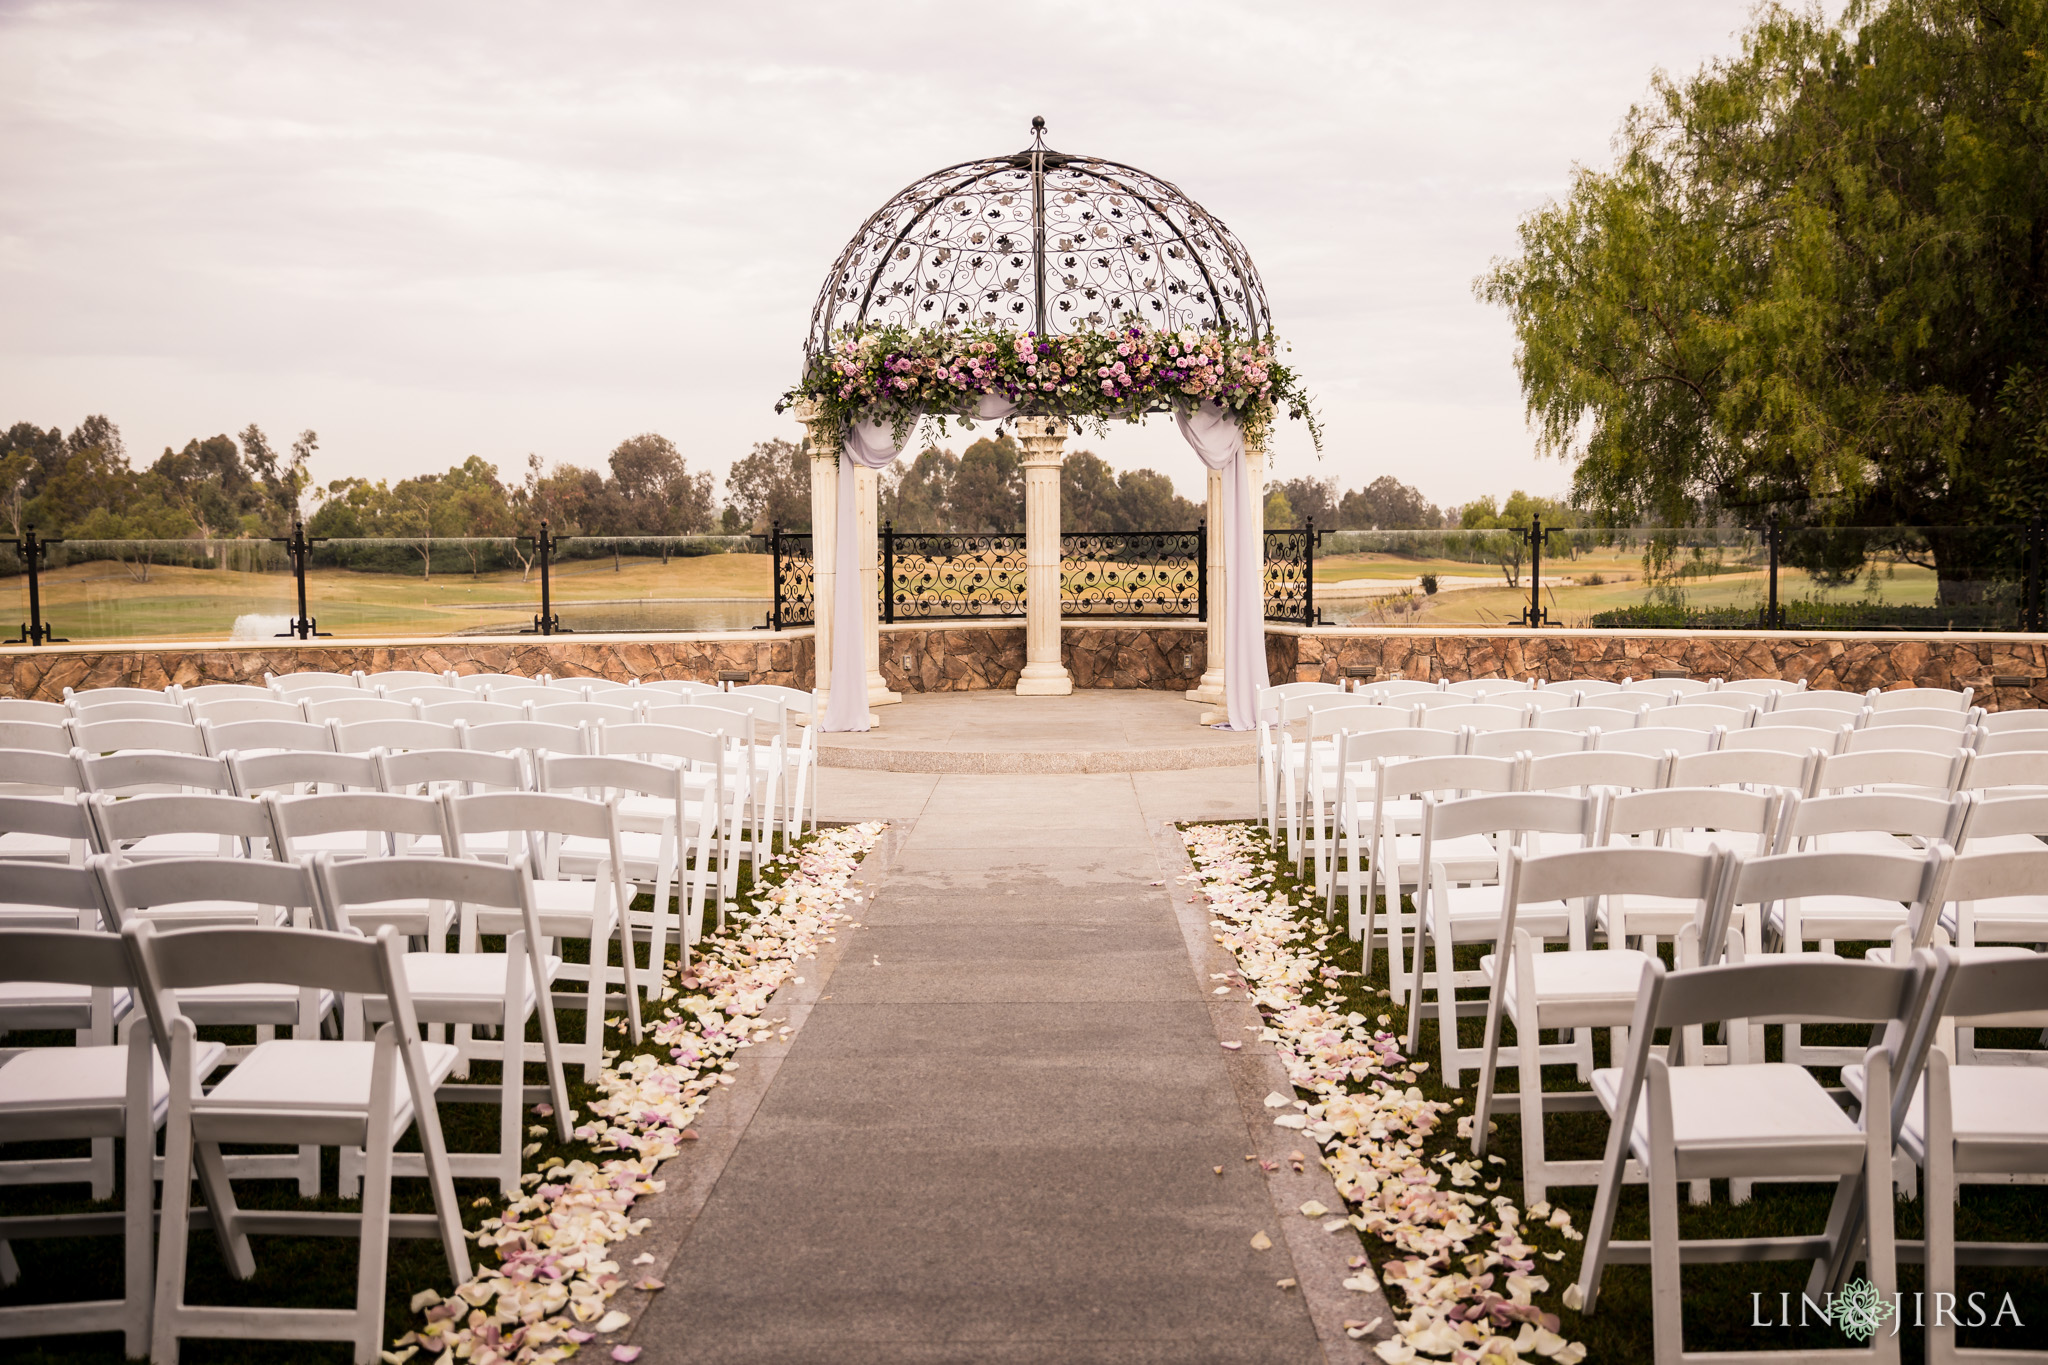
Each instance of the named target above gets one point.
<point>1209,690</point>
<point>1045,680</point>
<point>879,693</point>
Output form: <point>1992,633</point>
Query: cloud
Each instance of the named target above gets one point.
<point>435,230</point>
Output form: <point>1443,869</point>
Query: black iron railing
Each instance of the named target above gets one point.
<point>1291,574</point>
<point>791,567</point>
<point>1135,573</point>
<point>927,574</point>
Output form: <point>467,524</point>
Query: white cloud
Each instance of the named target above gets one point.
<point>429,231</point>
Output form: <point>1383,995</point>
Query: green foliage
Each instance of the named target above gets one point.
<point>770,484</point>
<point>1811,281</point>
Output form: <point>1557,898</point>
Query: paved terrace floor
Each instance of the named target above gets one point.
<point>1088,732</point>
<point>993,1135</point>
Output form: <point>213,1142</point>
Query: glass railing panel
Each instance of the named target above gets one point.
<point>660,583</point>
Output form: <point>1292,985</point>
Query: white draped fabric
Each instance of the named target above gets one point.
<point>1218,439</point>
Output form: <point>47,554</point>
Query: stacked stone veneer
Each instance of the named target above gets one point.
<point>966,656</point>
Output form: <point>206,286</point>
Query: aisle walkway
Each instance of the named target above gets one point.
<point>994,1136</point>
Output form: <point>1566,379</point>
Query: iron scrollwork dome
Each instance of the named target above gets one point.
<point>1042,240</point>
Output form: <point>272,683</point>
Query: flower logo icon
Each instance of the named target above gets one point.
<point>1859,1310</point>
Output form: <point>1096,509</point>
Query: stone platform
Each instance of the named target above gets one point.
<point>1000,732</point>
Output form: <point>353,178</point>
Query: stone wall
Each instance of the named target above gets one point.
<point>965,656</point>
<point>2006,670</point>
<point>44,673</point>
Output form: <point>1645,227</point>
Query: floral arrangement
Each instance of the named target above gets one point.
<point>900,375</point>
<point>556,1271</point>
<point>1375,1127</point>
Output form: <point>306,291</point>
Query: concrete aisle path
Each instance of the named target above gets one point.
<point>993,1138</point>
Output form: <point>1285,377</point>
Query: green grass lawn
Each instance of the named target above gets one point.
<point>1718,1302</point>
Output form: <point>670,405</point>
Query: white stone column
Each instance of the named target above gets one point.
<point>867,492</point>
<point>1209,691</point>
<point>1041,442</point>
<point>821,443</point>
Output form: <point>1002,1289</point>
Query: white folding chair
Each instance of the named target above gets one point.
<point>1695,820</point>
<point>1994,902</point>
<point>476,683</point>
<point>800,708</point>
<point>520,693</point>
<point>1928,739</point>
<point>1588,716</point>
<point>265,736</point>
<point>423,697</point>
<point>526,738</point>
<point>469,990</point>
<point>185,825</point>
<point>1394,859</point>
<point>367,706</point>
<point>259,706</point>
<point>350,1094</point>
<point>682,687</point>
<point>1535,743</point>
<point>1702,715</point>
<point>1767,688</point>
<point>721,786</point>
<point>33,712</point>
<point>1841,707</point>
<point>1912,771</point>
<point>1474,689</point>
<point>99,1093</point>
<point>1903,698</point>
<point>289,683</point>
<point>145,771</point>
<point>1657,739</point>
<point>400,733</point>
<point>1573,989</point>
<point>1307,766</point>
<point>158,708</point>
<point>1800,740</point>
<point>25,772</point>
<point>2011,741</point>
<point>1474,716</point>
<point>1999,722</point>
<point>1351,775</point>
<point>395,678</point>
<point>209,694</point>
<point>34,736</point>
<point>115,736</point>
<point>473,711</point>
<point>373,824</point>
<point>92,698</point>
<point>559,712</point>
<point>759,728</point>
<point>1754,1119</point>
<point>1459,901</point>
<point>46,829</point>
<point>1587,687</point>
<point>592,909</point>
<point>1749,769</point>
<point>1548,698</point>
<point>1940,718</point>
<point>1585,771</point>
<point>301,772</point>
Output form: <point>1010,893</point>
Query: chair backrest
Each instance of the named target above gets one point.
<point>1997,875</point>
<point>349,710</point>
<point>68,957</point>
<point>110,736</point>
<point>230,710</point>
<point>692,715</point>
<point>1691,808</point>
<point>248,736</point>
<point>34,736</point>
<point>1760,687</point>
<point>2008,990</point>
<point>583,713</point>
<point>798,702</point>
<point>2011,741</point>
<point>220,886</point>
<point>474,683</point>
<point>361,736</point>
<point>1843,704</point>
<point>1548,698</point>
<point>1346,712</point>
<point>1909,768</point>
<point>603,776</point>
<point>72,895</point>
<point>36,712</point>
<point>2003,816</point>
<point>1355,749</point>
<point>427,696</point>
<point>1586,687</point>
<point>1592,768</point>
<point>308,695</point>
<point>1390,688</point>
<point>1508,813</point>
<point>1449,774</point>
<point>1992,773</point>
<point>1271,699</point>
<point>157,708</point>
<point>1701,715</point>
<point>1591,874</point>
<point>652,739</point>
<point>1921,738</point>
<point>1475,716</point>
<point>1733,767</point>
<point>404,677</point>
<point>212,694</point>
<point>1921,817</point>
<point>1942,698</point>
<point>88,698</point>
<point>1473,689</point>
<point>292,769</point>
<point>1590,716</point>
<point>387,821</point>
<point>1536,743</point>
<point>48,817</point>
<point>353,888</point>
<point>1999,722</point>
<point>147,771</point>
<point>682,687</point>
<point>1656,739</point>
<point>141,817</point>
<point>289,683</point>
<point>430,771</point>
<point>545,818</point>
<point>1954,722</point>
<point>473,711</point>
<point>35,772</point>
<point>1777,739</point>
<point>524,691</point>
<point>526,736</point>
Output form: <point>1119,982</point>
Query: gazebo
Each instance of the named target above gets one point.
<point>956,298</point>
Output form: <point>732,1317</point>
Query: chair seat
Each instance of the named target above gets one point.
<point>462,984</point>
<point>57,1092</point>
<point>54,1004</point>
<point>1475,914</point>
<point>1999,1115</point>
<point>1467,857</point>
<point>1767,1119</point>
<point>290,1074</point>
<point>1586,988</point>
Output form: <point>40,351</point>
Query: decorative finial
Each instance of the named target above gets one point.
<point>1038,132</point>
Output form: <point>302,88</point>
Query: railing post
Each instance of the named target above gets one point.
<point>1308,573</point>
<point>2032,595</point>
<point>775,570</point>
<point>889,572</point>
<point>303,626</point>
<point>1774,537</point>
<point>547,623</point>
<point>1202,570</point>
<point>34,549</point>
<point>1536,616</point>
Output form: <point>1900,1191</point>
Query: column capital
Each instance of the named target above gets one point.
<point>821,440</point>
<point>1042,440</point>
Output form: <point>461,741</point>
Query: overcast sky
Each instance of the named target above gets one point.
<point>435,230</point>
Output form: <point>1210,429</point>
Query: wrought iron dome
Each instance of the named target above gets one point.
<point>1042,240</point>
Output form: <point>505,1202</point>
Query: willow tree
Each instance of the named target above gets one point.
<point>1813,284</point>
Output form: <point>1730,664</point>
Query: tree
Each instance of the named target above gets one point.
<point>1279,511</point>
<point>771,483</point>
<point>1387,504</point>
<point>208,481</point>
<point>988,487</point>
<point>657,494</point>
<point>1509,546</point>
<point>1308,500</point>
<point>1146,501</point>
<point>1089,500</point>
<point>918,496</point>
<point>1811,284</point>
